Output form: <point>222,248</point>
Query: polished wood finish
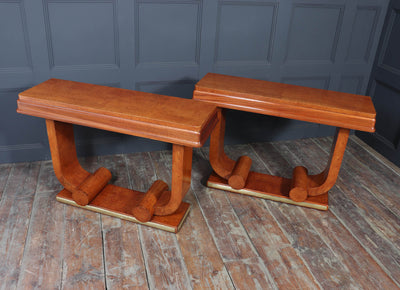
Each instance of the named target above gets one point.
<point>144,211</point>
<point>163,118</point>
<point>63,153</point>
<point>240,172</point>
<point>288,101</point>
<point>91,186</point>
<point>92,192</point>
<point>227,239</point>
<point>346,111</point>
<point>326,179</point>
<point>299,187</point>
<point>118,202</point>
<point>220,162</point>
<point>181,173</point>
<point>185,123</point>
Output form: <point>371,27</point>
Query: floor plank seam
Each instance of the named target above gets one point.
<point>28,234</point>
<point>230,277</point>
<point>182,258</point>
<point>343,168</point>
<point>376,155</point>
<point>103,250</point>
<point>167,159</point>
<point>327,244</point>
<point>62,248</point>
<point>240,223</point>
<point>237,218</point>
<point>379,200</point>
<point>6,185</point>
<point>266,167</point>
<point>140,233</point>
<point>267,204</point>
<point>373,233</point>
<point>139,228</point>
<point>6,181</point>
<point>265,268</point>
<point>208,225</point>
<point>27,240</point>
<point>381,265</point>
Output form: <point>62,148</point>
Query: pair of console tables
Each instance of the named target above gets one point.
<point>187,124</point>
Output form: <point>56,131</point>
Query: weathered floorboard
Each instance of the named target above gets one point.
<point>368,273</point>
<point>228,240</point>
<point>231,239</point>
<point>124,264</point>
<point>164,265</point>
<point>4,173</point>
<point>285,266</point>
<point>320,258</point>
<point>42,261</point>
<point>205,266</point>
<point>47,178</point>
<point>376,155</point>
<point>250,274</point>
<point>381,181</point>
<point>15,212</point>
<point>83,264</point>
<point>377,207</point>
<point>350,199</point>
<point>164,261</point>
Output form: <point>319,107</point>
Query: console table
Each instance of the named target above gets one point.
<point>342,110</point>
<point>184,123</point>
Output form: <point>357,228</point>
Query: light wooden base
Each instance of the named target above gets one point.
<point>269,187</point>
<point>118,202</point>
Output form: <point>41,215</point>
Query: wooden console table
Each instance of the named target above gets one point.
<point>345,111</point>
<point>185,123</point>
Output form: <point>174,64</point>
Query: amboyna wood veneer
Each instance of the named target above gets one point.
<point>184,123</point>
<point>345,111</point>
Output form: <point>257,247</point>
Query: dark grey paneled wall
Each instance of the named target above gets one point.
<point>165,46</point>
<point>384,87</point>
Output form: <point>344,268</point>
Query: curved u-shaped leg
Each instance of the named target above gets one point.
<point>181,174</point>
<point>326,179</point>
<point>221,164</point>
<point>302,189</point>
<point>63,153</point>
<point>83,188</point>
<point>235,172</point>
<point>83,185</point>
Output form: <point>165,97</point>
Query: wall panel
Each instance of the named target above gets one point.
<point>166,46</point>
<point>316,39</point>
<point>245,33</point>
<point>168,32</point>
<point>14,49</point>
<point>81,33</point>
<point>362,35</point>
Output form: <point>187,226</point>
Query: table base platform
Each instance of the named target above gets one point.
<point>118,202</point>
<point>269,187</point>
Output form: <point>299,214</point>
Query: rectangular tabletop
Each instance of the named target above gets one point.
<point>288,101</point>
<point>169,119</point>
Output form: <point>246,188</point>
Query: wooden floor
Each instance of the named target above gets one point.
<point>228,241</point>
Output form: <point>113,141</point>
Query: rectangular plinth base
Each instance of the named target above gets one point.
<point>269,187</point>
<point>118,202</point>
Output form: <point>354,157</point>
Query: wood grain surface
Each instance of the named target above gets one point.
<point>169,119</point>
<point>5,172</point>
<point>288,101</point>
<point>228,241</point>
<point>15,213</point>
